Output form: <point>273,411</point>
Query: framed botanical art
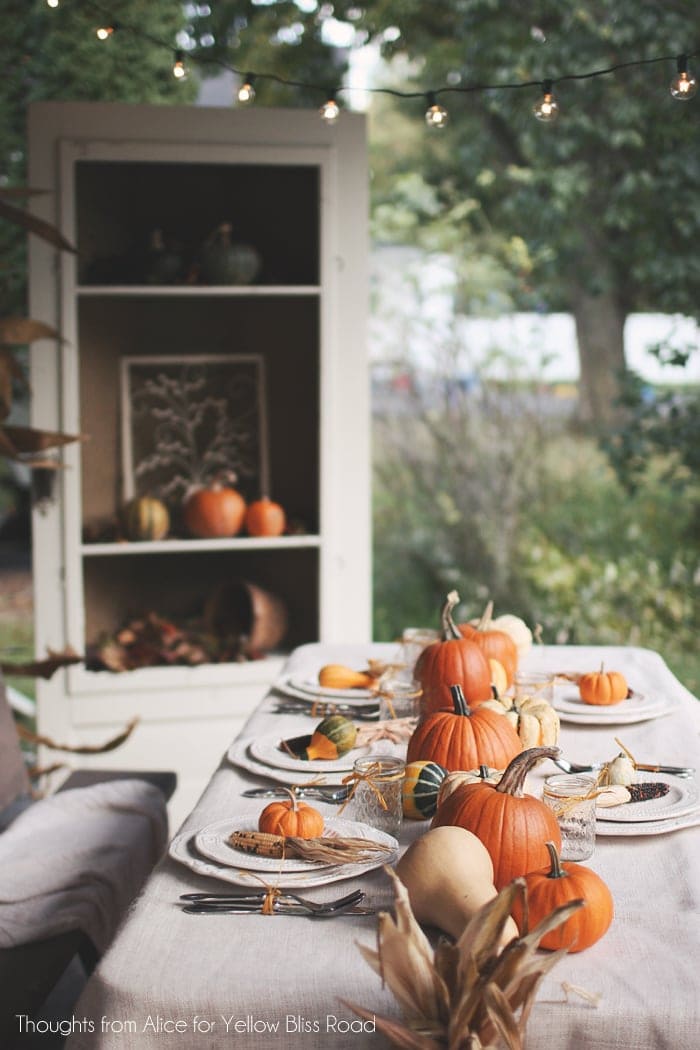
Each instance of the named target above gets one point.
<point>190,419</point>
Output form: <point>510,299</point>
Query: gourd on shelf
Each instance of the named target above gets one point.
<point>512,825</point>
<point>145,518</point>
<point>214,512</point>
<point>264,517</point>
<point>449,875</point>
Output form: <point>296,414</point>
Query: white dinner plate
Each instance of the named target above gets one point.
<point>681,798</point>
<point>636,708</point>
<point>212,843</point>
<point>239,755</point>
<point>183,851</point>
<point>649,827</point>
<point>267,750</point>
<point>302,688</point>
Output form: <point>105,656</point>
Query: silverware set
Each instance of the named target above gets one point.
<point>573,767</point>
<point>289,706</point>
<point>285,903</point>
<point>320,792</point>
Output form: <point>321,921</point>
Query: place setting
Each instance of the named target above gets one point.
<point>604,698</point>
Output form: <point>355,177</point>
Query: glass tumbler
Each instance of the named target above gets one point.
<point>378,789</point>
<point>571,799</point>
<point>399,698</point>
<point>537,684</point>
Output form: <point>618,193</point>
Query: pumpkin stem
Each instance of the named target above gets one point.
<point>294,808</point>
<point>557,872</point>
<point>485,621</point>
<point>484,772</point>
<point>513,780</point>
<point>449,628</point>
<point>460,704</point>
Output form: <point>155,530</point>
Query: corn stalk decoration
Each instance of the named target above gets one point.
<point>26,445</point>
<point>464,996</point>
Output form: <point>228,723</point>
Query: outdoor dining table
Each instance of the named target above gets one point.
<point>172,979</point>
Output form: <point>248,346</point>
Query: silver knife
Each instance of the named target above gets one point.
<point>328,794</point>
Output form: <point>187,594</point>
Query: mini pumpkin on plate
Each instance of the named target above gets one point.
<point>602,688</point>
<point>290,817</point>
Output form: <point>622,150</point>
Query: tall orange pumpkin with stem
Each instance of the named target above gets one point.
<point>513,826</point>
<point>453,659</point>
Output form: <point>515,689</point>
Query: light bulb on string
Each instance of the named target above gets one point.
<point>330,110</point>
<point>104,32</point>
<point>547,109</point>
<point>246,92</point>
<point>179,67</point>
<point>436,116</point>
<point>684,85</point>
<point>52,3</point>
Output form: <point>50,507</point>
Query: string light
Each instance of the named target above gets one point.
<point>246,92</point>
<point>104,32</point>
<point>52,3</point>
<point>179,67</point>
<point>436,116</point>
<point>547,109</point>
<point>684,85</point>
<point>330,110</point>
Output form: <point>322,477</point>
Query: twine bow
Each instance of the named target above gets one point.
<point>369,776</point>
<point>267,906</point>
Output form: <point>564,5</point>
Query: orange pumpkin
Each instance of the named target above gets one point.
<point>513,826</point>
<point>452,659</point>
<point>557,884</point>
<point>603,688</point>
<point>265,518</point>
<point>214,512</point>
<point>291,817</point>
<point>495,645</point>
<point>464,738</point>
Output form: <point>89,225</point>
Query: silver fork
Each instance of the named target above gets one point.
<point>201,903</point>
<point>320,793</point>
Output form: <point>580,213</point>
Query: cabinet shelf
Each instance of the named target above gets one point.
<point>197,291</point>
<point>176,546</point>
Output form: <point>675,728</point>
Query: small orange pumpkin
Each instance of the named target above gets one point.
<point>513,826</point>
<point>291,817</point>
<point>464,738</point>
<point>557,884</point>
<point>263,517</point>
<point>214,512</point>
<point>603,688</point>
<point>494,644</point>
<point>452,659</point>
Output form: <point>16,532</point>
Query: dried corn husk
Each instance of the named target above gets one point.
<point>464,996</point>
<point>323,850</point>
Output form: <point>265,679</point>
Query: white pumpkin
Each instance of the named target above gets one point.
<point>534,720</point>
<point>513,626</point>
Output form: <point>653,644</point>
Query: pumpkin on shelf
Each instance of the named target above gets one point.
<point>535,721</point>
<point>513,826</point>
<point>557,884</point>
<point>463,738</point>
<point>330,739</point>
<point>421,785</point>
<point>452,659</point>
<point>145,518</point>
<point>494,644</point>
<point>214,512</point>
<point>291,817</point>
<point>264,517</point>
<point>603,688</point>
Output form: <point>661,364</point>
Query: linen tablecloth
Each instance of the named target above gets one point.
<point>212,982</point>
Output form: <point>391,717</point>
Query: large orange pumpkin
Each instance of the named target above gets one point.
<point>513,826</point>
<point>452,659</point>
<point>265,518</point>
<point>558,884</point>
<point>464,738</point>
<point>214,512</point>
<point>495,645</point>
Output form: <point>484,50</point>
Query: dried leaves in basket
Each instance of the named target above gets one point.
<point>323,850</point>
<point>464,995</point>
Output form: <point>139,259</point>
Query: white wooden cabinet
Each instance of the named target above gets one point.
<point>296,190</point>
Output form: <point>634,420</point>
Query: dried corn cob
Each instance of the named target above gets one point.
<point>644,792</point>
<point>323,850</point>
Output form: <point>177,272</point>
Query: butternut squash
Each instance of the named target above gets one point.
<point>337,676</point>
<point>449,875</point>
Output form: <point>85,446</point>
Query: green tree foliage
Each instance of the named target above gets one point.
<point>54,54</point>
